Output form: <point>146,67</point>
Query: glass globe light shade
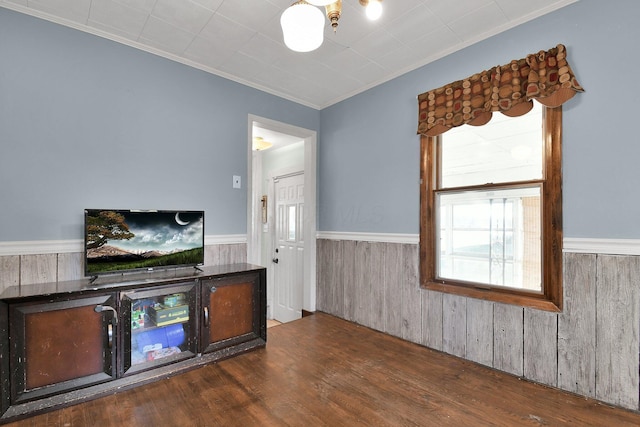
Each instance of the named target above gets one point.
<point>374,9</point>
<point>302,27</point>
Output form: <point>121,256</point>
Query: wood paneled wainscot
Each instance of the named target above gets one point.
<point>590,348</point>
<point>68,342</point>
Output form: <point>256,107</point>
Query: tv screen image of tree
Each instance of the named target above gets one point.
<point>120,240</point>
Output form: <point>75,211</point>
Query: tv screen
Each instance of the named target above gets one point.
<point>117,241</point>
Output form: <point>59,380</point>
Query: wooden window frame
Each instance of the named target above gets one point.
<point>550,298</point>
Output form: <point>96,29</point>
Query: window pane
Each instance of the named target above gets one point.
<point>506,149</point>
<point>292,222</point>
<point>491,237</point>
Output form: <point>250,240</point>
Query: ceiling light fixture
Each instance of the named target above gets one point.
<point>260,144</point>
<point>302,27</point>
<point>373,8</point>
<point>334,10</point>
<point>302,22</point>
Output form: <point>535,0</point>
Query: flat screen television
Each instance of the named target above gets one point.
<point>118,241</point>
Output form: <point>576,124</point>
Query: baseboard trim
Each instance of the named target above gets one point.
<point>36,247</point>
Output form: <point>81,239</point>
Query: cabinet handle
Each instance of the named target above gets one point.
<point>110,334</point>
<point>100,308</point>
<point>206,316</point>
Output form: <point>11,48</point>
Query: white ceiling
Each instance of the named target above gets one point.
<point>242,40</point>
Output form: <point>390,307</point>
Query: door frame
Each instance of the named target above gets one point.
<point>254,190</point>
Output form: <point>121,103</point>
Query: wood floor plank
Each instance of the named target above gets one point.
<point>324,371</point>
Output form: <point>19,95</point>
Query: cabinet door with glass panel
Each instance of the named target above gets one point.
<point>159,326</point>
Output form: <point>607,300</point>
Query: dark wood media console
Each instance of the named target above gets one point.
<point>67,342</point>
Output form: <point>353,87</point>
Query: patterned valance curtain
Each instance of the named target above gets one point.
<point>510,89</point>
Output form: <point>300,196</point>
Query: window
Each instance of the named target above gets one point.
<point>491,210</point>
<point>292,221</point>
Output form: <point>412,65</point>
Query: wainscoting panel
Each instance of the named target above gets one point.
<point>508,338</point>
<point>375,274</point>
<point>618,318</point>
<point>323,262</point>
<point>411,301</point>
<point>364,284</point>
<point>577,326</point>
<point>541,346</point>
<point>392,285</point>
<point>220,254</point>
<point>432,319</point>
<point>330,296</point>
<point>70,266</point>
<point>9,271</point>
<point>591,348</point>
<point>454,325</point>
<point>480,331</point>
<point>349,280</point>
<point>34,269</point>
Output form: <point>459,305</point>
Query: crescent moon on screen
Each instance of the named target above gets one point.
<point>179,221</point>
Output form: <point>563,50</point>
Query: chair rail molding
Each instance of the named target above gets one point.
<point>601,246</point>
<point>570,244</point>
<point>370,237</point>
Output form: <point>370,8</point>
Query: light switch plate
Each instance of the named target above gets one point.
<point>236,181</point>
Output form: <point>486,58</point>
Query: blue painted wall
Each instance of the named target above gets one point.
<point>369,151</point>
<point>88,123</point>
<point>85,122</point>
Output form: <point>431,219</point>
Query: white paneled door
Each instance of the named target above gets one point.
<point>288,257</point>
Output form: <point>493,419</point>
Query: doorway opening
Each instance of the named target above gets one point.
<point>292,152</point>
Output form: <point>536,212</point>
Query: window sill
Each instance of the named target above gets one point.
<point>491,294</point>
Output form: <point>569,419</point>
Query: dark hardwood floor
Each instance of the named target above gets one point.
<point>323,371</point>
